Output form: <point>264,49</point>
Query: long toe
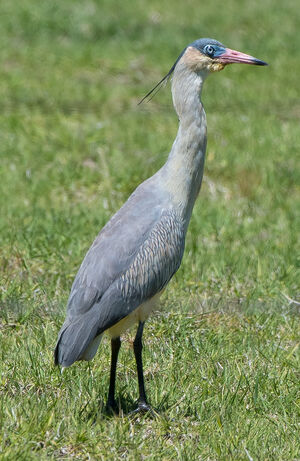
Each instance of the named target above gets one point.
<point>144,407</point>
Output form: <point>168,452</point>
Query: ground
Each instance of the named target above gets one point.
<point>221,357</point>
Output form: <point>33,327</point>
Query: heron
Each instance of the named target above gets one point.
<point>138,251</point>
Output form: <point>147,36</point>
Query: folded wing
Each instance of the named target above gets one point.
<point>132,259</point>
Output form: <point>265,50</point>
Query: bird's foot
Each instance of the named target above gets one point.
<point>112,407</point>
<point>142,408</point>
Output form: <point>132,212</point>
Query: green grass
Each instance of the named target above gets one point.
<point>221,358</point>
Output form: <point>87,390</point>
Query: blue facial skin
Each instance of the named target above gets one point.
<point>209,47</point>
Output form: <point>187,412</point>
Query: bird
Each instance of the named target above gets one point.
<point>137,252</point>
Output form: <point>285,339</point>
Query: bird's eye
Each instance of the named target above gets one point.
<point>209,50</point>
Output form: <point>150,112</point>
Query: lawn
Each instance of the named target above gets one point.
<point>221,357</point>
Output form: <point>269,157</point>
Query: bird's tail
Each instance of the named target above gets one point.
<point>77,340</point>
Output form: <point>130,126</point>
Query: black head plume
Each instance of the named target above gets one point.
<point>159,85</point>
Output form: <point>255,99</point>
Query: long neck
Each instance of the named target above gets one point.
<point>183,170</point>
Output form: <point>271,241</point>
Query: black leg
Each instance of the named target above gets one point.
<point>115,347</point>
<point>137,347</point>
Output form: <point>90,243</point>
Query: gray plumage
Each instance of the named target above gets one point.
<point>133,258</point>
<point>138,251</point>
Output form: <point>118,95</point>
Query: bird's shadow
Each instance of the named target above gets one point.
<point>126,407</point>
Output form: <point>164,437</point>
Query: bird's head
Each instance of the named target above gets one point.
<point>205,56</point>
<point>209,55</point>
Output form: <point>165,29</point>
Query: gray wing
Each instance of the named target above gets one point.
<point>114,249</point>
<point>133,258</point>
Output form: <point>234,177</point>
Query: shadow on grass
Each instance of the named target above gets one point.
<point>127,407</point>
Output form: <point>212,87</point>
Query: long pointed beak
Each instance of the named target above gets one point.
<point>231,56</point>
